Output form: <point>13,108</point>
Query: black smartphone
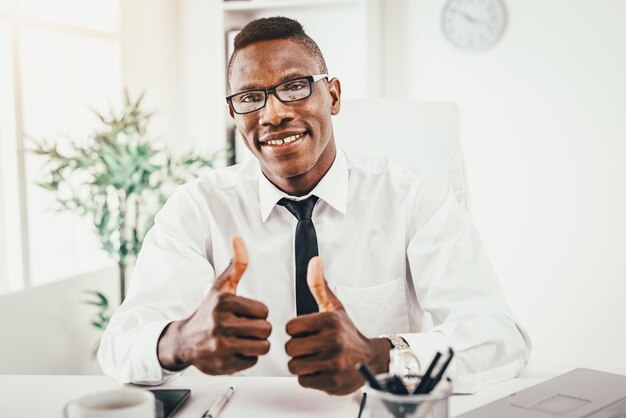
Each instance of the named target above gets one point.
<point>168,401</point>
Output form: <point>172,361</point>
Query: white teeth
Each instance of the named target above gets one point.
<point>285,140</point>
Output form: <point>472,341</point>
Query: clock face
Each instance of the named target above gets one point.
<point>473,24</point>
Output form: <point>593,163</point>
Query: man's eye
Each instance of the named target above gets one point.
<point>295,86</point>
<point>251,98</point>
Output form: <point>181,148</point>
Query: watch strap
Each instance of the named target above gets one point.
<point>397,341</point>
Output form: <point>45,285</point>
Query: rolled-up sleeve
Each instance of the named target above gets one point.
<point>168,283</point>
<point>455,284</point>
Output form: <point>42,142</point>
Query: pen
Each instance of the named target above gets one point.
<point>394,385</point>
<point>425,382</point>
<point>369,376</point>
<point>219,404</point>
<point>439,375</point>
<point>375,384</point>
<point>363,400</point>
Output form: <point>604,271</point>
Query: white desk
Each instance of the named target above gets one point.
<point>44,396</point>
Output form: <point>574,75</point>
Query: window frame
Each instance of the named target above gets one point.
<point>16,276</point>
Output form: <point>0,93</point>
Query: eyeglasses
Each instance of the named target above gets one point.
<point>287,91</point>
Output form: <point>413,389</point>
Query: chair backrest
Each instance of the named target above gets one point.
<point>419,135</point>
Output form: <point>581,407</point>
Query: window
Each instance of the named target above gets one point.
<point>58,59</point>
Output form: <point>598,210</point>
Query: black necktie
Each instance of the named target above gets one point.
<point>306,248</point>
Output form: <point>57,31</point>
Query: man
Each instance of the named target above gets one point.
<point>224,281</point>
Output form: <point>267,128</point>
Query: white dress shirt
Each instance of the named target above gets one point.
<point>398,250</point>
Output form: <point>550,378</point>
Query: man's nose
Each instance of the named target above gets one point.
<point>275,112</point>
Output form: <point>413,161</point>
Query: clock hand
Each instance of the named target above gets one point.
<point>473,19</point>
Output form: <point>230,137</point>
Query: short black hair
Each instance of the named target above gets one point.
<point>277,27</point>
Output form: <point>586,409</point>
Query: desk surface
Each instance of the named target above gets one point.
<point>34,396</point>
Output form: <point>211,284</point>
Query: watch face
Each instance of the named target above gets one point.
<point>404,364</point>
<point>473,24</point>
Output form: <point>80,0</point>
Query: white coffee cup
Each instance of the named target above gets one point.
<point>117,403</point>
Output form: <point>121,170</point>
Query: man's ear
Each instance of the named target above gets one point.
<point>230,111</point>
<point>334,88</point>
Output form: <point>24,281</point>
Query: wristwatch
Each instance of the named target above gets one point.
<point>403,362</point>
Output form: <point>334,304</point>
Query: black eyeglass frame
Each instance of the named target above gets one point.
<point>311,79</point>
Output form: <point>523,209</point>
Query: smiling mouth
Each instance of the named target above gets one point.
<point>283,141</point>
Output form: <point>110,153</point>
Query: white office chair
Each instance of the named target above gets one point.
<point>419,135</point>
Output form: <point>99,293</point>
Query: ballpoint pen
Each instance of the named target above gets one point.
<point>425,382</point>
<point>435,380</point>
<point>369,376</point>
<point>219,404</point>
<point>375,384</point>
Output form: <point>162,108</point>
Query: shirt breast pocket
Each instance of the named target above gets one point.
<point>376,310</point>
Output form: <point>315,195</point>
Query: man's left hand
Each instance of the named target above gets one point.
<point>326,346</point>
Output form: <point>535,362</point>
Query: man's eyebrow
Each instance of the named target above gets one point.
<point>288,76</point>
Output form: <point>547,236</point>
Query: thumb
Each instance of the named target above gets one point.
<point>325,298</point>
<point>229,279</point>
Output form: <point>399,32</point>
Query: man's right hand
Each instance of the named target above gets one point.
<point>226,334</point>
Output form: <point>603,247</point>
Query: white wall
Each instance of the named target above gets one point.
<point>203,107</point>
<point>45,330</point>
<point>544,135</point>
<point>149,40</point>
<point>169,51</point>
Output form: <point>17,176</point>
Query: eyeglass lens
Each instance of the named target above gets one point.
<point>289,91</point>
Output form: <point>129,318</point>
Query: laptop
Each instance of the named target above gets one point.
<point>580,393</point>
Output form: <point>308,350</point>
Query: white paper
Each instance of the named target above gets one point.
<point>276,397</point>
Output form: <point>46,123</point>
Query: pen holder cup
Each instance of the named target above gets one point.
<point>381,404</point>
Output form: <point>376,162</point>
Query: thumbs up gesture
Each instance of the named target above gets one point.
<point>227,282</point>
<point>326,346</point>
<point>325,298</point>
<point>226,334</point>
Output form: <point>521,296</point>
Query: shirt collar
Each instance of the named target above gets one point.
<point>332,188</point>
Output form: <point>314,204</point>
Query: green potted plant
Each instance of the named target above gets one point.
<point>119,177</point>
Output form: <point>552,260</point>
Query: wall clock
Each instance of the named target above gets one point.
<point>473,24</point>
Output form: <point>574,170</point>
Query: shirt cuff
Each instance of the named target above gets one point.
<point>145,359</point>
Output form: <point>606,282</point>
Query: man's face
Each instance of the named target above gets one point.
<point>295,167</point>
